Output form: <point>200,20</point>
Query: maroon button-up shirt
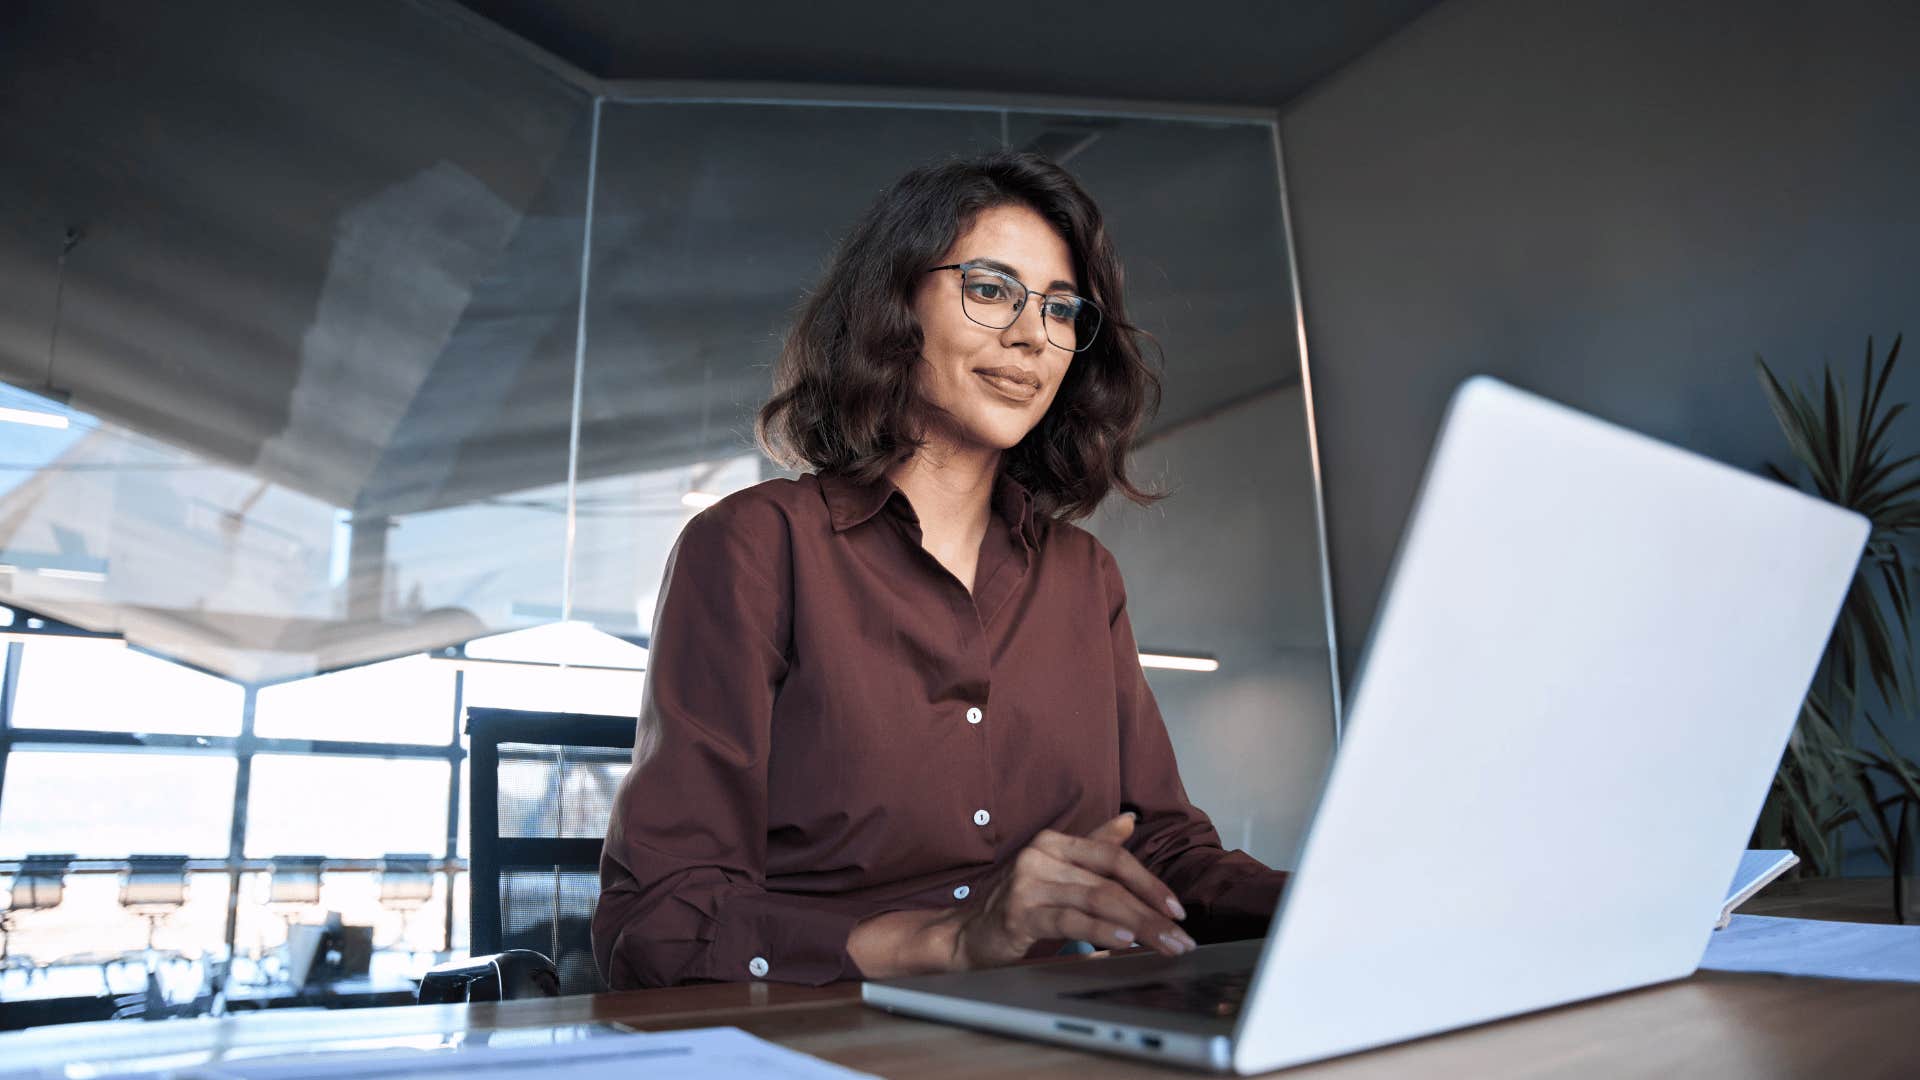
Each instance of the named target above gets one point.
<point>834,727</point>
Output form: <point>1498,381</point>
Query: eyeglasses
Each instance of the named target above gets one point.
<point>995,300</point>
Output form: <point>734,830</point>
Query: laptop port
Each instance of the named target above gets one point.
<point>1151,1042</point>
<point>1076,1029</point>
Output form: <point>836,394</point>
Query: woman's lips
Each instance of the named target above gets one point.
<point>1011,389</point>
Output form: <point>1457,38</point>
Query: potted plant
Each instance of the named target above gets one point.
<point>1841,767</point>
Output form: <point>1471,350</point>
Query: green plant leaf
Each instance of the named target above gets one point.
<point>1826,781</point>
<point>1886,421</point>
<point>1863,424</point>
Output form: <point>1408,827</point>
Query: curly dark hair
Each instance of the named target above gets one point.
<point>845,400</point>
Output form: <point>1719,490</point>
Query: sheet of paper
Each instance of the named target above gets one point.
<point>1835,950</point>
<point>721,1053</point>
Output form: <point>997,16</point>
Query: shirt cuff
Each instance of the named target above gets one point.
<point>780,937</point>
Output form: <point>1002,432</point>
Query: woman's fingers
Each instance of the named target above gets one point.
<point>1053,883</point>
<point>1110,904</point>
<point>1086,887</point>
<point>1113,861</point>
<point>1115,831</point>
<point>1076,924</point>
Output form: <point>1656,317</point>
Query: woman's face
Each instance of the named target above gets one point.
<point>989,387</point>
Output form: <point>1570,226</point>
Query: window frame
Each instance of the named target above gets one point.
<point>243,747</point>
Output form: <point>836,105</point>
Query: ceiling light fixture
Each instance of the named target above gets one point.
<point>1170,662</point>
<point>33,418</point>
<point>23,627</point>
<point>28,637</point>
<point>71,575</point>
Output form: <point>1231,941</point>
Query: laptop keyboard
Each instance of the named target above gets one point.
<point>1218,994</point>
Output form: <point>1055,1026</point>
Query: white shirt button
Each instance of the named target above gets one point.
<point>981,817</point>
<point>961,893</point>
<point>758,966</point>
<point>973,716</point>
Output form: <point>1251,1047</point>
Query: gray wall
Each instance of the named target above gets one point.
<point>1617,205</point>
<point>1229,565</point>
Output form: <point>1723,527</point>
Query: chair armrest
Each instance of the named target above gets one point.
<point>506,976</point>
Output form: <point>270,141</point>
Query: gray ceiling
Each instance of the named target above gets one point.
<point>1246,52</point>
<point>338,244</point>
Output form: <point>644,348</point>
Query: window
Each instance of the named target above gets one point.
<point>553,689</point>
<point>85,685</point>
<point>90,926</point>
<point>409,700</point>
<point>106,804</point>
<point>346,807</point>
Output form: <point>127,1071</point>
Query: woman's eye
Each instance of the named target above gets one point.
<point>1062,310</point>
<point>986,290</point>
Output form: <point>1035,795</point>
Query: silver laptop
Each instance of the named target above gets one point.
<point>1588,660</point>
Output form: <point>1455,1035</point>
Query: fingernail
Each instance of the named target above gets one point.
<point>1123,935</point>
<point>1188,938</point>
<point>1179,912</point>
<point>1174,943</point>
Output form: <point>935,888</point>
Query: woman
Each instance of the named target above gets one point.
<point>894,719</point>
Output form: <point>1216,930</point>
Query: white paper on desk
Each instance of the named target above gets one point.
<point>719,1053</point>
<point>1834,950</point>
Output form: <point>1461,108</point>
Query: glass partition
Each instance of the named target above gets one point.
<point>347,362</point>
<point>288,346</point>
<point>710,221</point>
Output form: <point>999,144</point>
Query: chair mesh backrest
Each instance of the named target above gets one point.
<point>558,792</point>
<point>550,910</point>
<point>544,787</point>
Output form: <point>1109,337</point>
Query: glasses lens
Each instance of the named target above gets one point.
<point>1072,321</point>
<point>991,298</point>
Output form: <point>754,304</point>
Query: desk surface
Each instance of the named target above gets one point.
<point>1709,1025</point>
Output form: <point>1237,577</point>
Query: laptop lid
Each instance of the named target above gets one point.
<point>1590,655</point>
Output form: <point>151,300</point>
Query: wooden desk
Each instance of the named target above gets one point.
<point>1710,1025</point>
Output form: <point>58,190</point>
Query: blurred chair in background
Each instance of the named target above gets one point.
<point>154,887</point>
<point>40,885</point>
<point>406,884</point>
<point>293,889</point>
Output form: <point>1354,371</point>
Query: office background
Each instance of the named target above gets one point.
<point>318,333</point>
<point>1617,205</point>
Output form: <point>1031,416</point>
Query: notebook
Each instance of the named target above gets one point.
<point>1757,870</point>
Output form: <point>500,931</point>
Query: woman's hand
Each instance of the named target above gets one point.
<point>1075,887</point>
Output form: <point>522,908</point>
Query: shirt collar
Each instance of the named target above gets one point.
<point>850,503</point>
<point>1015,504</point>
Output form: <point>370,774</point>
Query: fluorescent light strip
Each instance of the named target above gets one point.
<point>33,418</point>
<point>1179,663</point>
<point>72,575</point>
<point>698,500</point>
<point>27,637</point>
<point>469,663</point>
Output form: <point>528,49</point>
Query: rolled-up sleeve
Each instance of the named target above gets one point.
<point>683,896</point>
<point>1228,895</point>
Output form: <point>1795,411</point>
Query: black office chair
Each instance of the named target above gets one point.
<point>542,792</point>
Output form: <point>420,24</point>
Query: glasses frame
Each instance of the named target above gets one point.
<point>1019,308</point>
